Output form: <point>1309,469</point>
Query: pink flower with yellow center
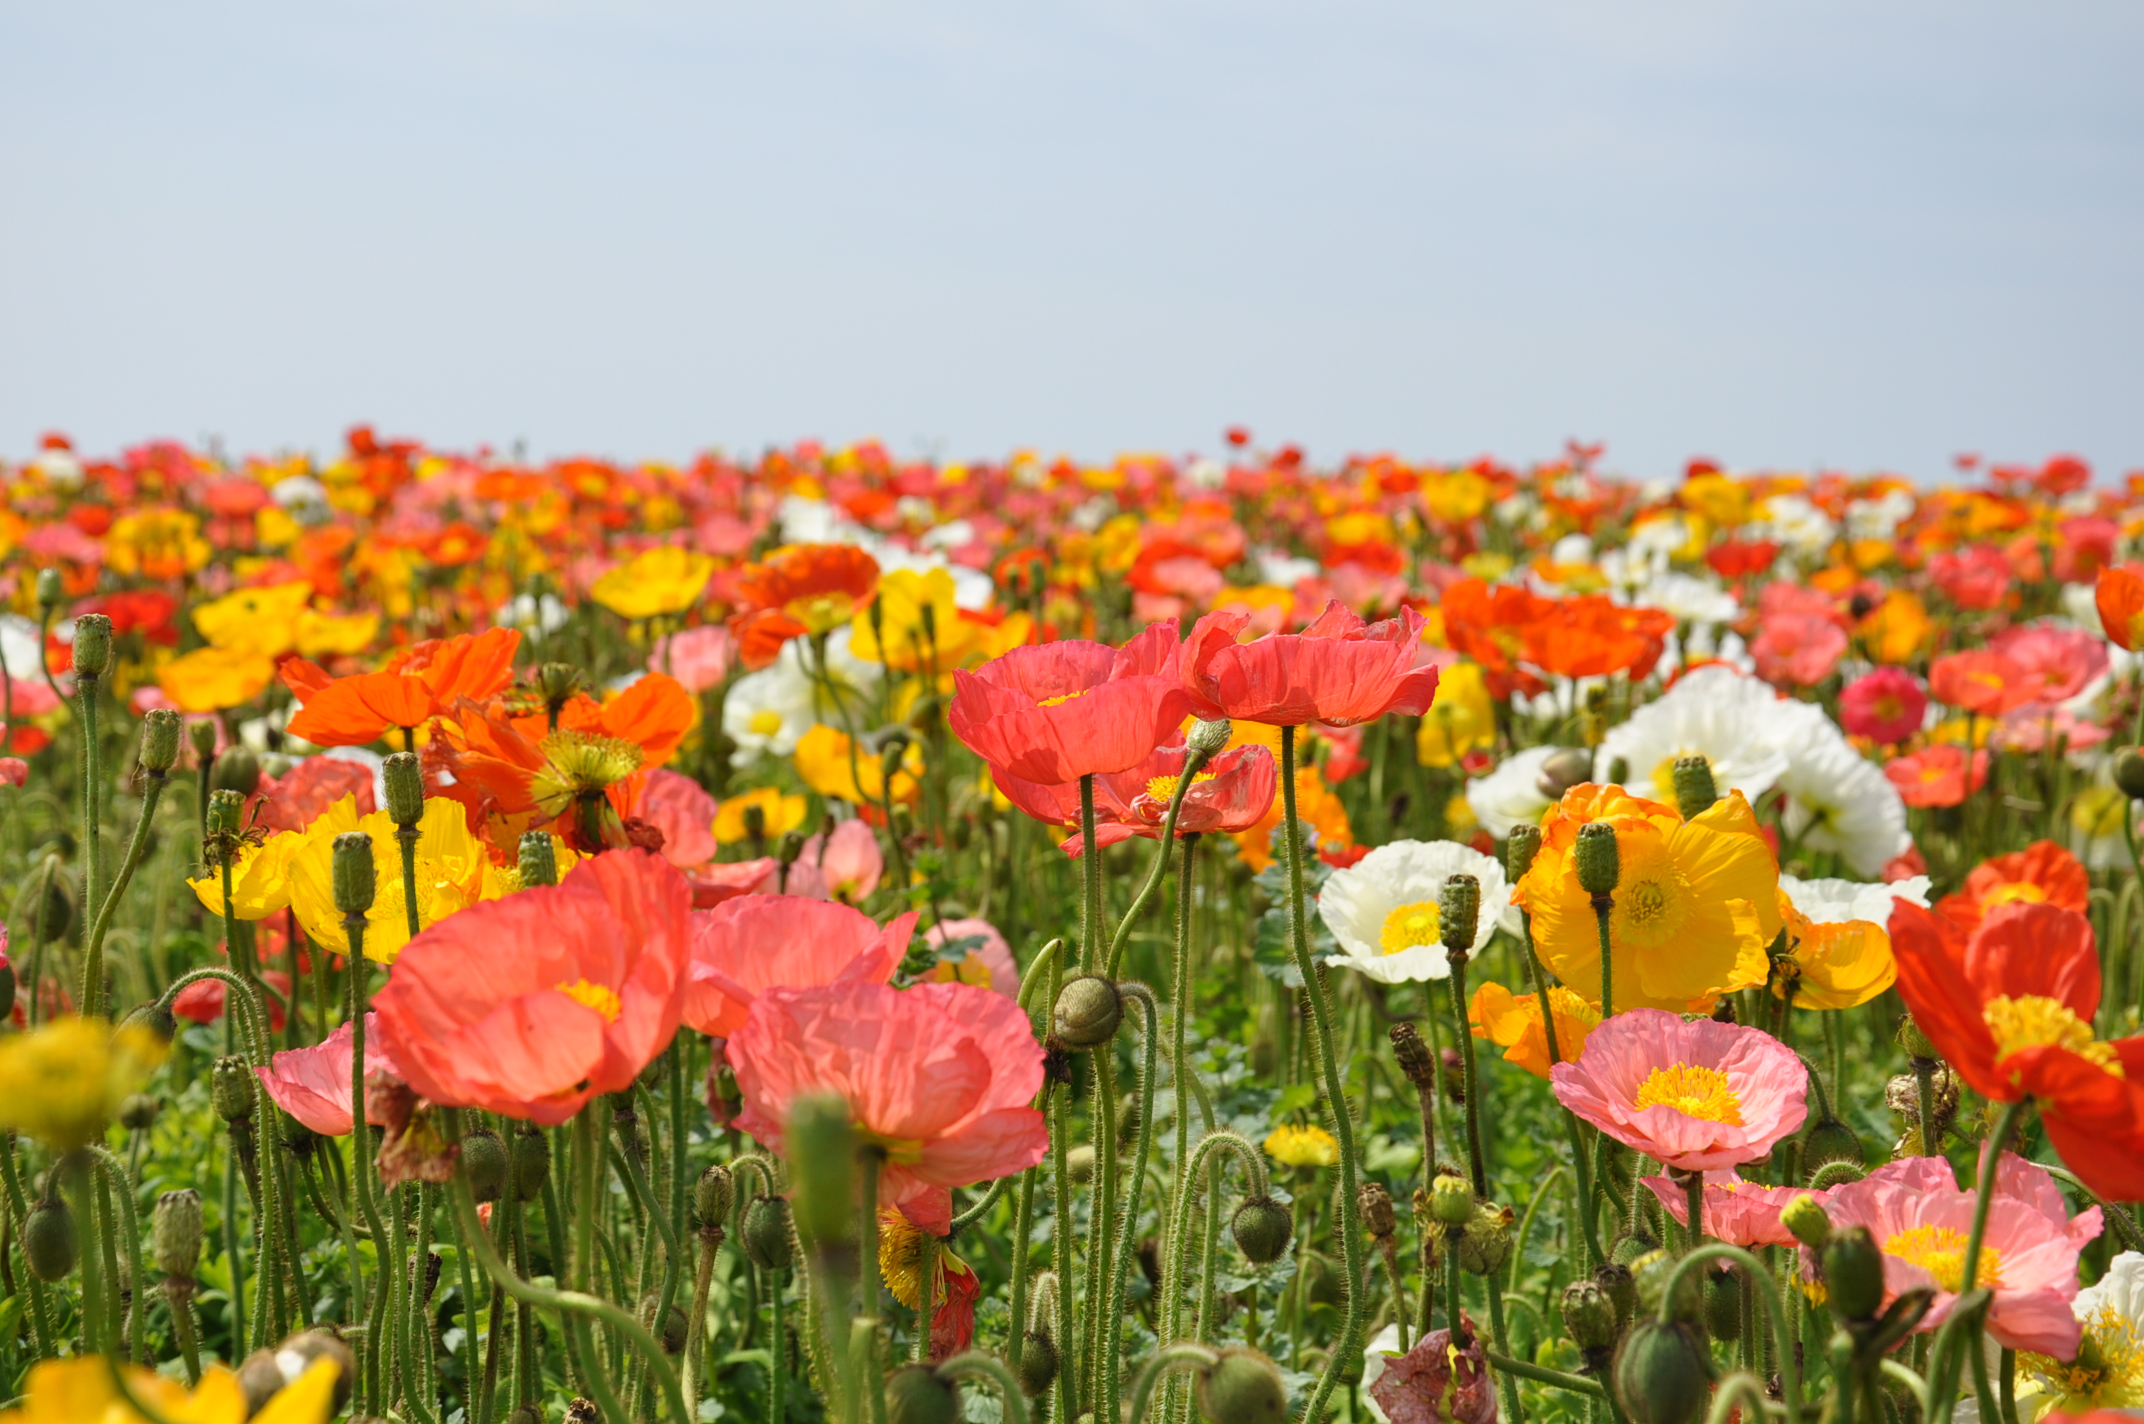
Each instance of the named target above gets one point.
<point>1698,1096</point>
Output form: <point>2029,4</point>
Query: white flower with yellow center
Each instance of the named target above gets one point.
<point>766,713</point>
<point>2107,1371</point>
<point>1383,909</point>
<point>1715,713</point>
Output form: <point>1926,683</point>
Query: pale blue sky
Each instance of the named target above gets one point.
<point>1866,234</point>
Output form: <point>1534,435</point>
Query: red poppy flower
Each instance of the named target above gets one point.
<point>1232,793</point>
<point>413,688</point>
<point>1055,712</point>
<point>744,947</point>
<point>801,589</point>
<point>1487,624</point>
<point>2041,873</point>
<point>1339,670</point>
<point>2120,598</point>
<point>534,1004</point>
<point>2010,1006</point>
<point>1937,775</point>
<point>1981,682</point>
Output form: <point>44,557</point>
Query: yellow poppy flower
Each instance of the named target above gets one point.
<point>783,813</point>
<point>823,760</point>
<point>503,880</point>
<point>1513,1023</point>
<point>215,679</point>
<point>260,882</point>
<point>666,579</point>
<point>1462,719</point>
<point>1294,1146</point>
<point>1696,905</point>
<point>450,875</point>
<point>156,544</point>
<point>920,623</point>
<point>326,635</point>
<point>255,620</point>
<point>61,1083</point>
<point>80,1391</point>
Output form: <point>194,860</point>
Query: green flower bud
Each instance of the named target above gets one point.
<point>1618,770</point>
<point>713,1194</point>
<point>766,1232</point>
<point>50,1241</point>
<point>1087,1012</point>
<point>1519,852</point>
<point>1262,1228</point>
<point>203,737</point>
<point>1723,1305</point>
<point>160,740</point>
<point>1695,790</point>
<point>557,682</point>
<point>1916,1043</point>
<point>1632,1248</point>
<point>1079,1164</point>
<point>50,589</point>
<point>1831,1141</point>
<point>1485,1244</point>
<point>356,878</point>
<point>822,1145</point>
<point>1208,738</point>
<point>531,1162</point>
<point>1806,1218</point>
<point>789,847</point>
<point>1458,913</point>
<point>405,788</point>
<point>1037,1369</point>
<point>672,1332</point>
<point>916,1395</point>
<point>890,753</point>
<point>1589,1316</point>
<point>1662,1374</point>
<point>226,810</point>
<point>175,1232</point>
<point>231,1088</point>
<point>1620,1288</point>
<point>1853,1273</point>
<point>1451,1201</point>
<point>2129,774</point>
<point>1651,1272</point>
<point>539,860</point>
<point>1599,865</point>
<point>1243,1387</point>
<point>755,823</point>
<point>237,770</point>
<point>485,1163</point>
<point>156,1018</point>
<point>92,645</point>
<point>137,1112</point>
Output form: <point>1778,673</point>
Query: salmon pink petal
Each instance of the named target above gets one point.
<point>685,814</point>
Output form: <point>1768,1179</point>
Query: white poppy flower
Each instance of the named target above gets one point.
<point>1511,794</point>
<point>1383,908</point>
<point>1716,713</point>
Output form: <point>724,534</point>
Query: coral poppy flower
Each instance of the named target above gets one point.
<point>535,1004</point>
<point>1513,1023</point>
<point>1885,706</point>
<point>1695,1095</point>
<point>298,797</point>
<point>1339,670</point>
<point>1798,649</point>
<point>2057,663</point>
<point>1982,682</point>
<point>682,810</point>
<point>2010,1006</point>
<point>2041,873</point>
<point>1695,908</point>
<point>1487,624</point>
<point>846,865</point>
<point>799,590</point>
<point>940,1076</point>
<point>412,689</point>
<point>313,1084</point>
<point>1937,775</point>
<point>1231,793</point>
<point>2120,599</point>
<point>742,948</point>
<point>1737,1212</point>
<point>1923,1223</point>
<point>1055,712</point>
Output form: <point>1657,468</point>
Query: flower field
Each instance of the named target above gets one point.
<point>829,936</point>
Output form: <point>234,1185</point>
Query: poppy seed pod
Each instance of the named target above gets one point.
<point>915,1394</point>
<point>157,1018</point>
<point>1519,852</point>
<point>1695,790</point>
<point>1831,1141</point>
<point>2129,774</point>
<point>1620,1287</point>
<point>160,740</point>
<point>1451,1201</point>
<point>175,1232</point>
<point>1662,1374</point>
<point>1413,1055</point>
<point>238,771</point>
<point>50,1242</point>
<point>203,737</point>
<point>50,589</point>
<point>539,860</point>
<point>1209,738</point>
<point>1916,1043</point>
<point>356,878</point>
<point>531,1162</point>
<point>1599,865</point>
<point>1723,1305</point>
<point>1037,1369</point>
<point>1243,1387</point>
<point>1651,1273</point>
<point>92,645</point>
<point>1485,1244</point>
<point>1589,1316</point>
<point>226,809</point>
<point>557,682</point>
<point>1375,1204</point>
<point>766,1232</point>
<point>1087,1012</point>
<point>1458,912</point>
<point>1262,1228</point>
<point>1853,1273</point>
<point>485,1163</point>
<point>713,1194</point>
<point>822,1146</point>
<point>405,788</point>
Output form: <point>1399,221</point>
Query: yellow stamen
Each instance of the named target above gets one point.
<point>1940,1251</point>
<point>1061,701</point>
<point>2015,892</point>
<point>1694,1092</point>
<point>595,996</point>
<point>1161,788</point>
<point>2108,1372</point>
<point>1408,926</point>
<point>2034,1020</point>
<point>766,722</point>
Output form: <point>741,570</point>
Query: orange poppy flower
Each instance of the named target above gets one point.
<point>413,688</point>
<point>1982,681</point>
<point>1488,625</point>
<point>2121,606</point>
<point>801,589</point>
<point>2041,873</point>
<point>1593,636</point>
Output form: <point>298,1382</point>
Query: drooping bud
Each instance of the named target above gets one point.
<point>50,1241</point>
<point>1723,1305</point>
<point>238,770</point>
<point>226,810</point>
<point>1262,1228</point>
<point>1037,1369</point>
<point>1588,1316</point>
<point>1209,738</point>
<point>916,1395</point>
<point>1243,1387</point>
<point>755,823</point>
<point>175,1232</point>
<point>1565,768</point>
<point>890,753</point>
<point>1375,1205</point>
<point>531,1162</point>
<point>356,878</point>
<point>673,1327</point>
<point>92,645</point>
<point>1451,1201</point>
<point>1806,1218</point>
<point>405,788</point>
<point>822,1145</point>
<point>1520,850</point>
<point>2129,774</point>
<point>50,589</point>
<point>1088,1010</point>
<point>1414,1056</point>
<point>1458,913</point>
<point>160,740</point>
<point>1831,1140</point>
<point>1662,1374</point>
<point>1599,864</point>
<point>539,860</point>
<point>766,1232</point>
<point>1695,789</point>
<point>486,1164</point>
<point>231,1088</point>
<point>713,1194</point>
<point>137,1112</point>
<point>156,1018</point>
<point>1853,1273</point>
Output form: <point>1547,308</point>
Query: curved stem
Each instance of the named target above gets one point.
<point>251,1016</point>
<point>1789,1377</point>
<point>93,957</point>
<point>1542,1374</point>
<point>1168,1360</point>
<point>1193,760</point>
<point>1127,1230</point>
<point>974,1364</point>
<point>1038,970</point>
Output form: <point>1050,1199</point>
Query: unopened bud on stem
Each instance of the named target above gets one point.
<point>92,645</point>
<point>160,740</point>
<point>1695,790</point>
<point>405,788</point>
<point>539,860</point>
<point>1208,738</point>
<point>355,877</point>
<point>1458,913</point>
<point>1519,852</point>
<point>1599,864</point>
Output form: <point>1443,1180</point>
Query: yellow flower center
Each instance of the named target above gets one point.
<point>1408,926</point>
<point>765,722</point>
<point>1652,901</point>
<point>1940,1251</point>
<point>821,612</point>
<point>1061,701</point>
<point>1692,1091</point>
<point>2016,892</point>
<point>2034,1020</point>
<point>1161,788</point>
<point>2108,1372</point>
<point>594,996</point>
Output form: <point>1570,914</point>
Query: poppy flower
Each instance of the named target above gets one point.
<point>744,947</point>
<point>1339,670</point>
<point>416,686</point>
<point>779,813</point>
<point>2056,663</point>
<point>2041,873</point>
<point>942,1076</point>
<point>313,1084</point>
<point>1982,682</point>
<point>203,1001</point>
<point>665,579</point>
<point>1740,1213</point>
<point>1593,636</point>
<point>1838,945</point>
<point>798,590</point>
<point>2119,596</point>
<point>847,865</point>
<point>1886,705</point>
<point>1231,793</point>
<point>1797,649</point>
<point>954,1287</point>
<point>451,864</point>
<point>1436,1382</point>
<point>215,679</point>
<point>534,1005</point>
<point>1937,775</point>
<point>826,764</point>
<point>1055,712</point>
<point>1513,1023</point>
<point>298,797</point>
<point>1316,805</point>
<point>2010,1005</point>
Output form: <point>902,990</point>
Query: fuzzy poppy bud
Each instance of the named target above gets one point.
<point>1853,1273</point>
<point>766,1232</point>
<point>1087,1012</point>
<point>156,1018</point>
<point>405,788</point>
<point>1651,1274</point>
<point>1262,1228</point>
<point>1209,738</point>
<point>1243,1387</point>
<point>1831,1141</point>
<point>539,860</point>
<point>1588,1316</point>
<point>137,1112</point>
<point>50,1241</point>
<point>1413,1055</point>
<point>1663,1375</point>
<point>231,1088</point>
<point>1916,1043</point>
<point>531,1163</point>
<point>1458,912</point>
<point>225,810</point>
<point>672,1333</point>
<point>1451,1201</point>
<point>822,1145</point>
<point>175,1232</point>
<point>890,753</point>
<point>1806,1218</point>
<point>1629,1250</point>
<point>1485,1244</point>
<point>915,1394</point>
<point>1723,1305</point>
<point>713,1194</point>
<point>1695,789</point>
<point>356,878</point>
<point>203,737</point>
<point>2129,774</point>
<point>50,589</point>
<point>1565,768</point>
<point>485,1163</point>
<point>1519,852</point>
<point>1079,1164</point>
<point>1599,865</point>
<point>237,771</point>
<point>1037,1369</point>
<point>789,847</point>
<point>92,645</point>
<point>755,823</point>
<point>1375,1204</point>
<point>1620,1287</point>
<point>160,740</point>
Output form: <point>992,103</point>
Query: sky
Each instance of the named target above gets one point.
<point>1796,235</point>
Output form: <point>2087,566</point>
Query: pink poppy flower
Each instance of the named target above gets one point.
<point>719,882</point>
<point>534,1004</point>
<point>988,964</point>
<point>2054,663</point>
<point>1339,670</point>
<point>1977,576</point>
<point>1737,1212</point>
<point>1232,793</point>
<point>1698,1096</point>
<point>699,658</point>
<point>2038,726</point>
<point>1937,775</point>
<point>1980,681</point>
<point>1797,649</point>
<point>848,863</point>
<point>1885,706</point>
<point>313,1084</point>
<point>745,947</point>
<point>14,771</point>
<point>1055,712</point>
<point>1922,1221</point>
<point>943,1075</point>
<point>682,810</point>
